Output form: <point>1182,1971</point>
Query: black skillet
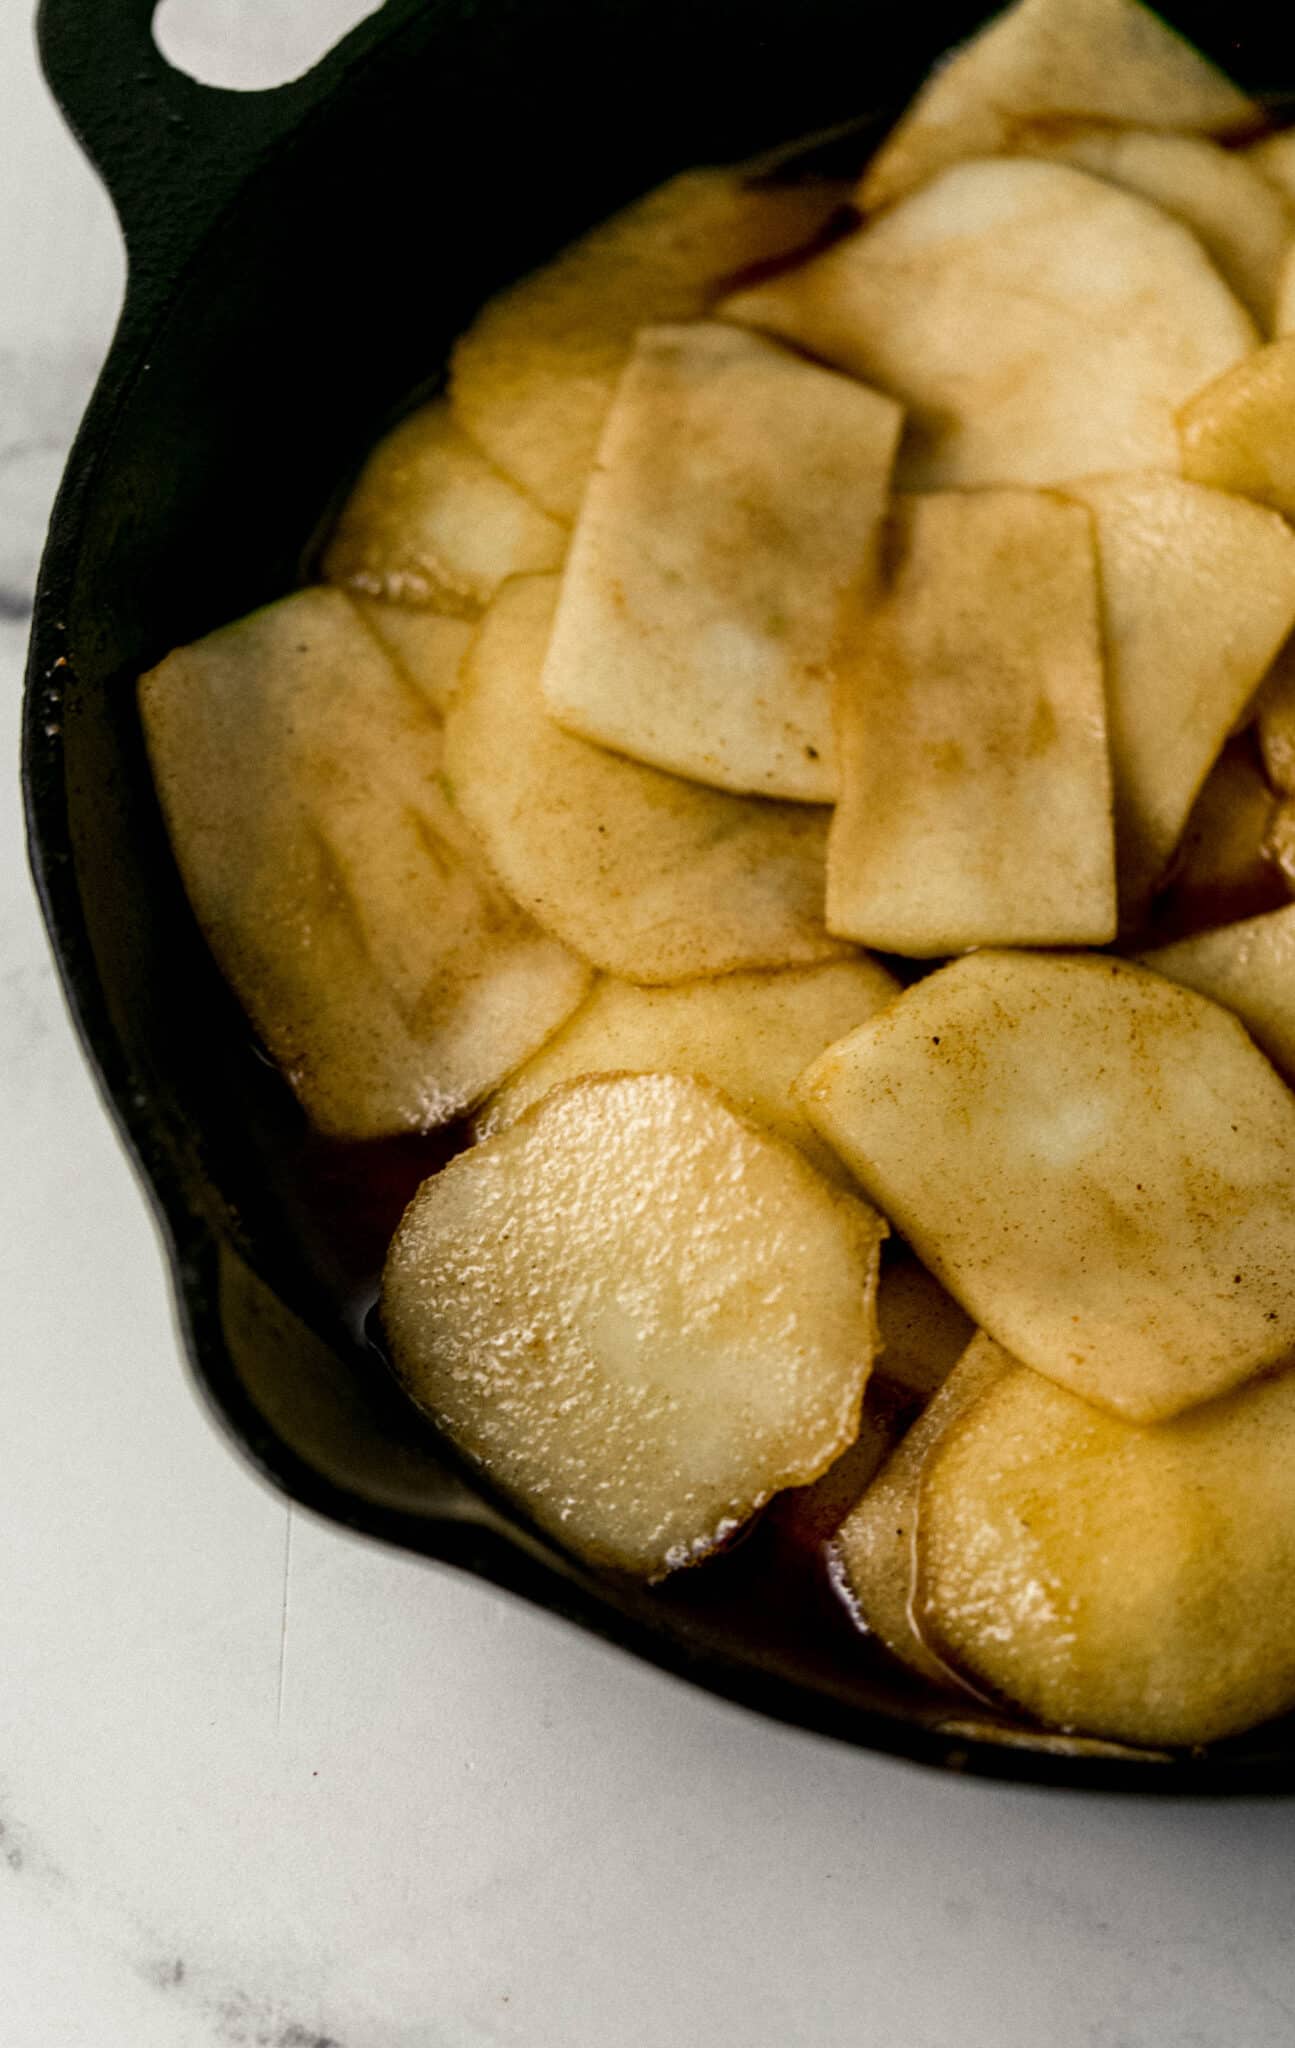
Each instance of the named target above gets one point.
<point>299,262</point>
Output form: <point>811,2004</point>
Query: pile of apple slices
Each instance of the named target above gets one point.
<point>793,569</point>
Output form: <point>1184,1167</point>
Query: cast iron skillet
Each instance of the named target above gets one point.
<point>299,262</point>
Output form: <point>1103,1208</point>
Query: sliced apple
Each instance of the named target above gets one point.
<point>923,1330</point>
<point>1275,717</point>
<point>646,875</point>
<point>1097,1164</point>
<point>1198,594</point>
<point>1037,323</point>
<point>874,1553</point>
<point>1273,156</point>
<point>640,1314</point>
<point>923,1335</point>
<point>300,776</point>
<point>749,1035</point>
<point>1249,967</point>
<point>1280,845</point>
<point>1107,60</point>
<point>1238,433</point>
<point>1284,308</point>
<point>535,374</point>
<point>1125,1582</point>
<point>1223,870</point>
<point>807,1517</point>
<point>736,502</point>
<point>975,801</point>
<point>429,648</point>
<point>432,522</point>
<point>1243,223</point>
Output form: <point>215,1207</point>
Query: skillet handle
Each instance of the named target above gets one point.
<point>171,151</point>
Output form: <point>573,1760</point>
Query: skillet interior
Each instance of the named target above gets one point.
<point>279,314</point>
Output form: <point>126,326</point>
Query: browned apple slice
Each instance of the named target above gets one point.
<point>1243,223</point>
<point>805,1518</point>
<point>429,648</point>
<point>1238,433</point>
<point>1097,1164</point>
<point>1249,967</point>
<point>1124,1582</point>
<point>1283,321</point>
<point>874,1554</point>
<point>749,1035</point>
<point>1281,841</point>
<point>736,502</point>
<point>975,801</point>
<point>1223,870</point>
<point>923,1330</point>
<point>1037,323</point>
<point>648,876</point>
<point>1273,156</point>
<point>300,776</point>
<point>533,377</point>
<point>1275,716</point>
<point>432,522</point>
<point>1108,60</point>
<point>1198,594</point>
<point>641,1315</point>
<point>923,1335</point>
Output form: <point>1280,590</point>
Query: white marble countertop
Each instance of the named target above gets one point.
<point>264,1784</point>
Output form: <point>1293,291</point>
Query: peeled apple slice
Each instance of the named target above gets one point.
<point>923,1331</point>
<point>1276,721</point>
<point>639,1314</point>
<point>432,522</point>
<point>874,1554</point>
<point>534,376</point>
<point>646,875</point>
<point>429,648</point>
<point>1244,225</point>
<point>1198,594</point>
<point>1274,160</point>
<point>1224,869</point>
<point>1128,1582</point>
<point>1284,307</point>
<point>1273,156</point>
<point>1249,967</point>
<point>1107,60</point>
<point>1038,324</point>
<point>736,503</point>
<point>749,1035</point>
<point>391,979</point>
<point>1281,841</point>
<point>1097,1164</point>
<point>809,1516</point>
<point>1239,432</point>
<point>975,799</point>
<point>923,1335</point>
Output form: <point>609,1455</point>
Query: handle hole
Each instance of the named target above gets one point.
<point>247,45</point>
